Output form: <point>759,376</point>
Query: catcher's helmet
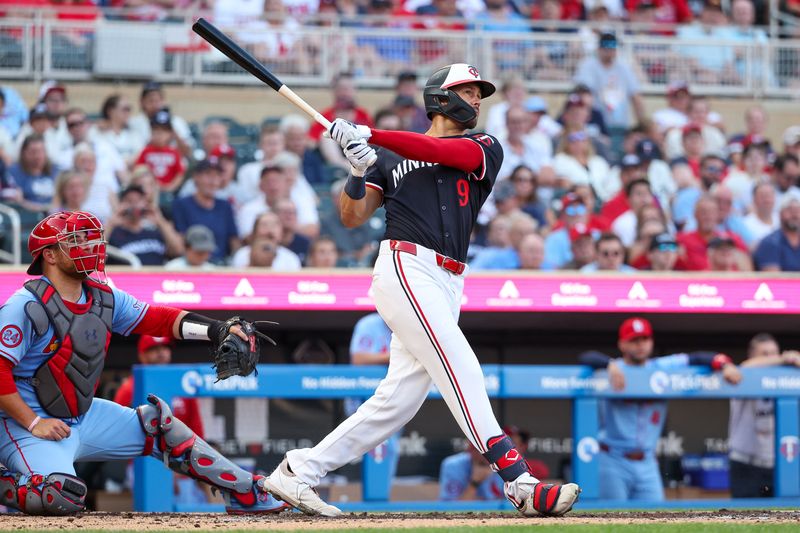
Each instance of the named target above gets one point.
<point>78,233</point>
<point>440,99</point>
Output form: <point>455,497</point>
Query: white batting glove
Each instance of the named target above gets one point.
<point>361,156</point>
<point>345,132</point>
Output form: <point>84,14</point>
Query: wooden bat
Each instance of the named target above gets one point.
<point>244,59</point>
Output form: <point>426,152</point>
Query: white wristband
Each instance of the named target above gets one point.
<point>194,331</point>
<point>33,424</point>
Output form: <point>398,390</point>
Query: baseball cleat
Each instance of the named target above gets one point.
<point>257,501</point>
<point>286,486</point>
<point>531,497</point>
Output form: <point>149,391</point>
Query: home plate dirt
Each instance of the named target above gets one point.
<point>355,521</point>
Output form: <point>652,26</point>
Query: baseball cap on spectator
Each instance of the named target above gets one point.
<point>574,99</point>
<point>223,150</point>
<point>675,87</point>
<point>407,75</point>
<point>146,342</point>
<point>663,241</point>
<point>162,118</point>
<point>535,104</point>
<point>572,204</point>
<point>403,100</point>
<point>149,87</point>
<point>504,191</point>
<point>754,140</point>
<point>723,239</point>
<point>129,189</point>
<point>607,40</point>
<point>209,163</point>
<point>200,238</point>
<point>647,150</point>
<point>788,199</point>
<point>581,88</point>
<point>38,111</point>
<point>692,128</point>
<point>594,5</point>
<point>630,161</point>
<point>645,4</point>
<point>635,328</point>
<point>791,135</point>
<point>578,231</point>
<point>734,147</point>
<point>51,87</point>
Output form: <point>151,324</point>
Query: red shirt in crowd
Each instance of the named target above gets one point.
<point>361,117</point>
<point>164,161</point>
<point>696,249</point>
<point>186,409</point>
<point>668,11</point>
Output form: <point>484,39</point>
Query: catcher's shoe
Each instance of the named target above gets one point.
<point>286,486</point>
<point>257,501</point>
<point>530,496</point>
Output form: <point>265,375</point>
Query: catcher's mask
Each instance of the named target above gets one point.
<point>79,236</point>
<point>440,99</point>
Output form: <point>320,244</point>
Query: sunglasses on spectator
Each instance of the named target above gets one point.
<point>575,210</point>
<point>667,247</point>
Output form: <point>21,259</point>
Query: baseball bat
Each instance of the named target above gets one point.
<point>244,59</point>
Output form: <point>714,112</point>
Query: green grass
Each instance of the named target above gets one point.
<point>576,528</point>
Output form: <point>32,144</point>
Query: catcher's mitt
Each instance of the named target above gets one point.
<point>234,356</point>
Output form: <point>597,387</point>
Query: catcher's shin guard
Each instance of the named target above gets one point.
<point>56,494</point>
<point>169,439</point>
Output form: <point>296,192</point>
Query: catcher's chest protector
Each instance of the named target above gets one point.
<point>65,383</point>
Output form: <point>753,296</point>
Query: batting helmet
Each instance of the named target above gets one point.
<point>440,99</point>
<point>78,233</point>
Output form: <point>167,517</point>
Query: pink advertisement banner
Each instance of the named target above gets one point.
<point>502,293</point>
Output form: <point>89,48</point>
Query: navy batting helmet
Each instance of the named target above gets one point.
<point>440,99</point>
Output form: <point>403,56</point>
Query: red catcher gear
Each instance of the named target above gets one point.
<point>79,235</point>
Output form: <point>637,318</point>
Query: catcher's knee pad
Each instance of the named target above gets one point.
<point>170,440</point>
<point>54,494</point>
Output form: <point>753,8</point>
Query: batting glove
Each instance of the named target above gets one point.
<point>361,156</point>
<point>345,132</point>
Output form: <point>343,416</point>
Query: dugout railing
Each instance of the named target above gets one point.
<point>585,388</point>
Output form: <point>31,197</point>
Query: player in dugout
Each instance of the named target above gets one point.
<point>629,429</point>
<point>55,336</point>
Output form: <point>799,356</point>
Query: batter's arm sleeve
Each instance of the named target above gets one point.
<point>458,152</point>
<point>594,359</point>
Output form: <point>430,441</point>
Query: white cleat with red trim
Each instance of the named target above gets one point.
<point>531,497</point>
<point>285,485</point>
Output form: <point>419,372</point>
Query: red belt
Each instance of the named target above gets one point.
<point>447,263</point>
<point>633,456</point>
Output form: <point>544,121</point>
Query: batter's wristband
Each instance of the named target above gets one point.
<point>33,424</point>
<point>356,187</point>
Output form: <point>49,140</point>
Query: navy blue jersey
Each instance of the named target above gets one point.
<point>433,205</point>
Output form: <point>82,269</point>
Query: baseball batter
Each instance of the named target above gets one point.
<point>54,340</point>
<point>432,186</point>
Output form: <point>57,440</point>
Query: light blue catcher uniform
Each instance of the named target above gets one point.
<point>455,475</point>
<point>629,433</point>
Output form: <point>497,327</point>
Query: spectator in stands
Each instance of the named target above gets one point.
<point>344,106</point>
<point>513,92</point>
<point>519,148</point>
<point>650,221</point>
<point>39,123</point>
<point>722,254</point>
<point>577,116</point>
<point>54,96</point>
<point>780,250</point>
<point>541,123</point>
<point>576,162</point>
<point>71,190</point>
<point>786,176</point>
<point>143,177</point>
<point>531,252</point>
<point>630,429</point>
<point>301,193</point>
<point>709,61</point>
<point>791,141</point>
<point>557,246</point>
<point>205,209</point>
<point>158,351</point>
<point>108,160</point>
<point>272,187</point>
<point>265,249</point>
<point>295,130</point>
<point>104,187</point>
<point>15,112</point>
<point>33,176</point>
<point>695,243</point>
<point>743,17</point>
<point>613,84</point>
<point>496,237</point>
<point>200,244</point>
<point>629,170</point>
<point>713,168</point>
<point>355,245</point>
<point>763,219</point>
<point>322,253</point>
<point>639,196</point>
<point>713,139</point>
<point>415,118</point>
<point>389,119</point>
<point>296,242</point>
<point>609,255</point>
<point>525,183</point>
<point>676,114</point>
<point>7,147</point>
<point>164,160</point>
<point>662,254</point>
<point>138,227</point>
<point>729,218</point>
<point>741,181</point>
<point>113,128</point>
<point>152,102</point>
<point>751,429</point>
<point>694,147</point>
<point>270,143</point>
<point>666,11</point>
<point>581,241</point>
<point>215,133</point>
<point>230,189</point>
<point>507,258</point>
<point>596,123</point>
<point>756,120</point>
